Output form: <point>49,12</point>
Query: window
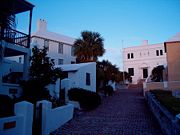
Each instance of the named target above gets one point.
<point>20,59</point>
<point>131,71</point>
<point>161,52</point>
<point>128,56</point>
<point>132,55</point>
<point>72,51</point>
<point>145,73</point>
<point>157,52</point>
<point>60,48</point>
<point>88,81</point>
<point>46,44</point>
<point>60,61</point>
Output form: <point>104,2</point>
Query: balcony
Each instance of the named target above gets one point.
<point>15,37</point>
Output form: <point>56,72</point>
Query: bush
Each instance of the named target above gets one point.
<point>6,106</point>
<point>88,100</point>
<point>108,90</point>
<point>167,100</point>
<point>34,91</point>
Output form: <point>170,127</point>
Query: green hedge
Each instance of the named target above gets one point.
<point>88,100</point>
<point>167,100</point>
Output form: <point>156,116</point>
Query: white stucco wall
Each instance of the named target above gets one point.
<point>77,75</point>
<point>42,34</point>
<point>79,78</point>
<point>144,57</point>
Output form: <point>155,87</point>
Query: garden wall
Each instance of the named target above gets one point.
<point>169,124</point>
<point>54,118</point>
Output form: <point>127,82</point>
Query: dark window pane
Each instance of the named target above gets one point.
<point>131,71</point>
<point>128,56</point>
<point>161,52</point>
<point>132,55</point>
<point>157,52</point>
<point>145,73</point>
<point>88,81</point>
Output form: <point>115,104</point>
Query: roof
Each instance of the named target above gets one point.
<point>15,6</point>
<point>54,36</point>
<point>175,38</point>
<point>73,67</point>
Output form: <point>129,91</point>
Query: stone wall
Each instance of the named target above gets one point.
<point>169,124</point>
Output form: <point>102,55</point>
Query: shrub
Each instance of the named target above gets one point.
<point>167,100</point>
<point>88,100</point>
<point>108,90</point>
<point>6,106</point>
<point>34,91</point>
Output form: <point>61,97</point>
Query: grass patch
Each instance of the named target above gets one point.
<point>166,99</point>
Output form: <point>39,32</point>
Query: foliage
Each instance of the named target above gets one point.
<point>108,90</point>
<point>167,100</point>
<point>7,19</point>
<point>6,106</point>
<point>88,100</point>
<point>106,72</point>
<point>89,46</point>
<point>42,67</point>
<point>34,90</point>
<point>157,74</point>
<point>42,73</point>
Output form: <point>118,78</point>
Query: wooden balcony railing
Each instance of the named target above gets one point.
<point>14,37</point>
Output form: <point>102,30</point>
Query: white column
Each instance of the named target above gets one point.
<point>26,65</point>
<point>65,84</point>
<point>25,109</point>
<point>46,111</point>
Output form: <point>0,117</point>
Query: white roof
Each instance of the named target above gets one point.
<point>174,38</point>
<point>73,67</point>
<point>54,36</point>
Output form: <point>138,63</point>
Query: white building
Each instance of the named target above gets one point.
<point>140,60</point>
<point>81,75</point>
<point>60,47</point>
<point>14,43</point>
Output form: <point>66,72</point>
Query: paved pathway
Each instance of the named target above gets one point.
<point>125,113</point>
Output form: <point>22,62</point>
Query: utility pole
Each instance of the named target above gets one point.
<point>123,61</point>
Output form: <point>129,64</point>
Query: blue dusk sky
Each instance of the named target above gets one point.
<point>130,21</point>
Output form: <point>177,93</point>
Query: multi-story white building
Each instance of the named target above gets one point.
<point>139,61</point>
<point>60,47</point>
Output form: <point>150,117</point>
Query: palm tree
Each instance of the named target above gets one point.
<point>7,20</point>
<point>89,46</point>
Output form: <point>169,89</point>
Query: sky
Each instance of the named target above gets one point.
<point>122,23</point>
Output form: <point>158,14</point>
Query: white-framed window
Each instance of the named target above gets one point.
<point>157,52</point>
<point>130,55</point>
<point>131,71</point>
<point>46,44</point>
<point>60,61</point>
<point>161,52</point>
<point>60,48</point>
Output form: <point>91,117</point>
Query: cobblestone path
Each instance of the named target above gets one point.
<point>124,113</point>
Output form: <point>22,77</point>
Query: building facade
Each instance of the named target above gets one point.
<point>139,61</point>
<point>60,47</point>
<point>14,43</point>
<point>172,47</point>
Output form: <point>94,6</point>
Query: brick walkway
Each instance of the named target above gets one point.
<point>125,113</point>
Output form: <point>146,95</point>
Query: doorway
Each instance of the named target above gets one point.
<point>145,73</point>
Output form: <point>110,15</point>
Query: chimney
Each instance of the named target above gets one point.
<point>145,42</point>
<point>41,25</point>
